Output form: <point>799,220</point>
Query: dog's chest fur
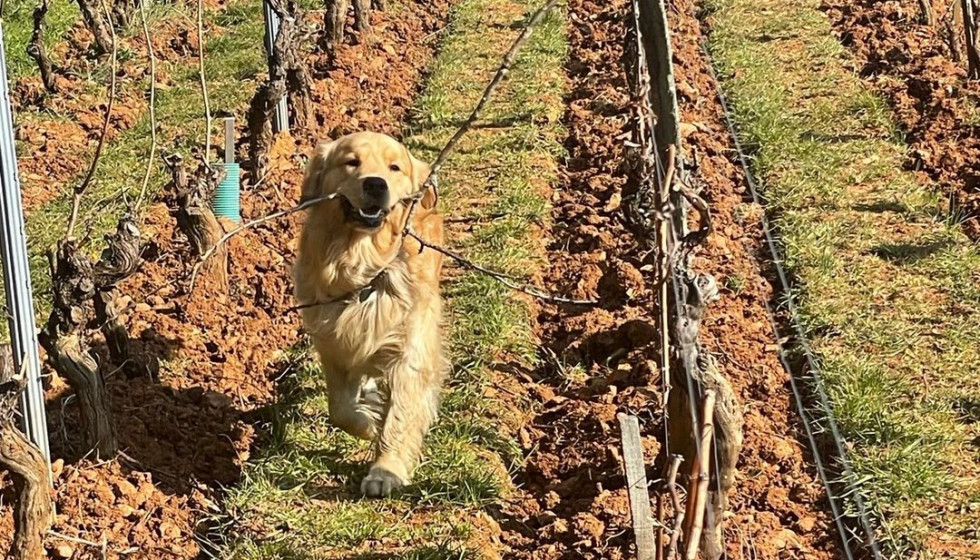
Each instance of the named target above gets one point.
<point>367,312</point>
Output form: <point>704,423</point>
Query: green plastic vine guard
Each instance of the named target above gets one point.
<point>227,197</point>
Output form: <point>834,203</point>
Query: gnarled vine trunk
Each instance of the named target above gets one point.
<point>191,205</point>
<point>64,339</point>
<point>97,25</point>
<point>36,50</point>
<point>33,512</point>
<point>288,75</point>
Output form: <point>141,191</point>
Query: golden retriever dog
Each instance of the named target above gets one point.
<point>376,324</point>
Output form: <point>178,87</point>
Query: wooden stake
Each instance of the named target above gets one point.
<point>636,481</point>
<point>700,476</point>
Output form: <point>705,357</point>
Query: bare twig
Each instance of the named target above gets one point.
<point>504,69</point>
<point>79,191</point>
<point>675,500</point>
<point>75,540</point>
<point>659,552</point>
<point>248,225</point>
<point>529,290</point>
<point>153,116</point>
<point>204,83</point>
<point>700,476</point>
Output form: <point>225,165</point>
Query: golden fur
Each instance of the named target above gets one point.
<point>381,352</point>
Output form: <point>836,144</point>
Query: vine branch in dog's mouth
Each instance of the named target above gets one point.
<point>502,72</point>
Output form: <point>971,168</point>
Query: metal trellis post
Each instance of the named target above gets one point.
<point>280,117</point>
<point>17,275</point>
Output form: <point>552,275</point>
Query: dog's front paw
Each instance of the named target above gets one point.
<point>380,483</point>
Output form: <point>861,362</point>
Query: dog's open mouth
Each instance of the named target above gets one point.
<point>371,216</point>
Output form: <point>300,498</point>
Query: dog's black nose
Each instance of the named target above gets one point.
<point>376,189</point>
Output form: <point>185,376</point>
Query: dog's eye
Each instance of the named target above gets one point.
<point>353,162</point>
<point>394,167</point>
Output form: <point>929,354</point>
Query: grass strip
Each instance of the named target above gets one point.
<point>888,284</point>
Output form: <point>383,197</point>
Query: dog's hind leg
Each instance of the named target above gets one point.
<point>413,406</point>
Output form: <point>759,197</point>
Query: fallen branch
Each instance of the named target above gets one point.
<point>502,72</point>
<point>700,476</point>
<point>79,190</point>
<point>502,278</point>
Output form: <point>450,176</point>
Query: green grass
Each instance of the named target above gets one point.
<point>888,284</point>
<point>299,498</point>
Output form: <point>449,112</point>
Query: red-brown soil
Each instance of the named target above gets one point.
<point>573,501</point>
<point>937,107</point>
<point>185,430</point>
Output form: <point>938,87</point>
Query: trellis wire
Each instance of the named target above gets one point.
<point>815,372</point>
<point>17,276</point>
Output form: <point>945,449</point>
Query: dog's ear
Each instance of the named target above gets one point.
<point>420,172</point>
<point>314,171</point>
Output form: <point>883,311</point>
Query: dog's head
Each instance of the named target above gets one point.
<point>373,173</point>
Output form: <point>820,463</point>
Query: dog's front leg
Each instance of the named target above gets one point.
<point>413,405</point>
